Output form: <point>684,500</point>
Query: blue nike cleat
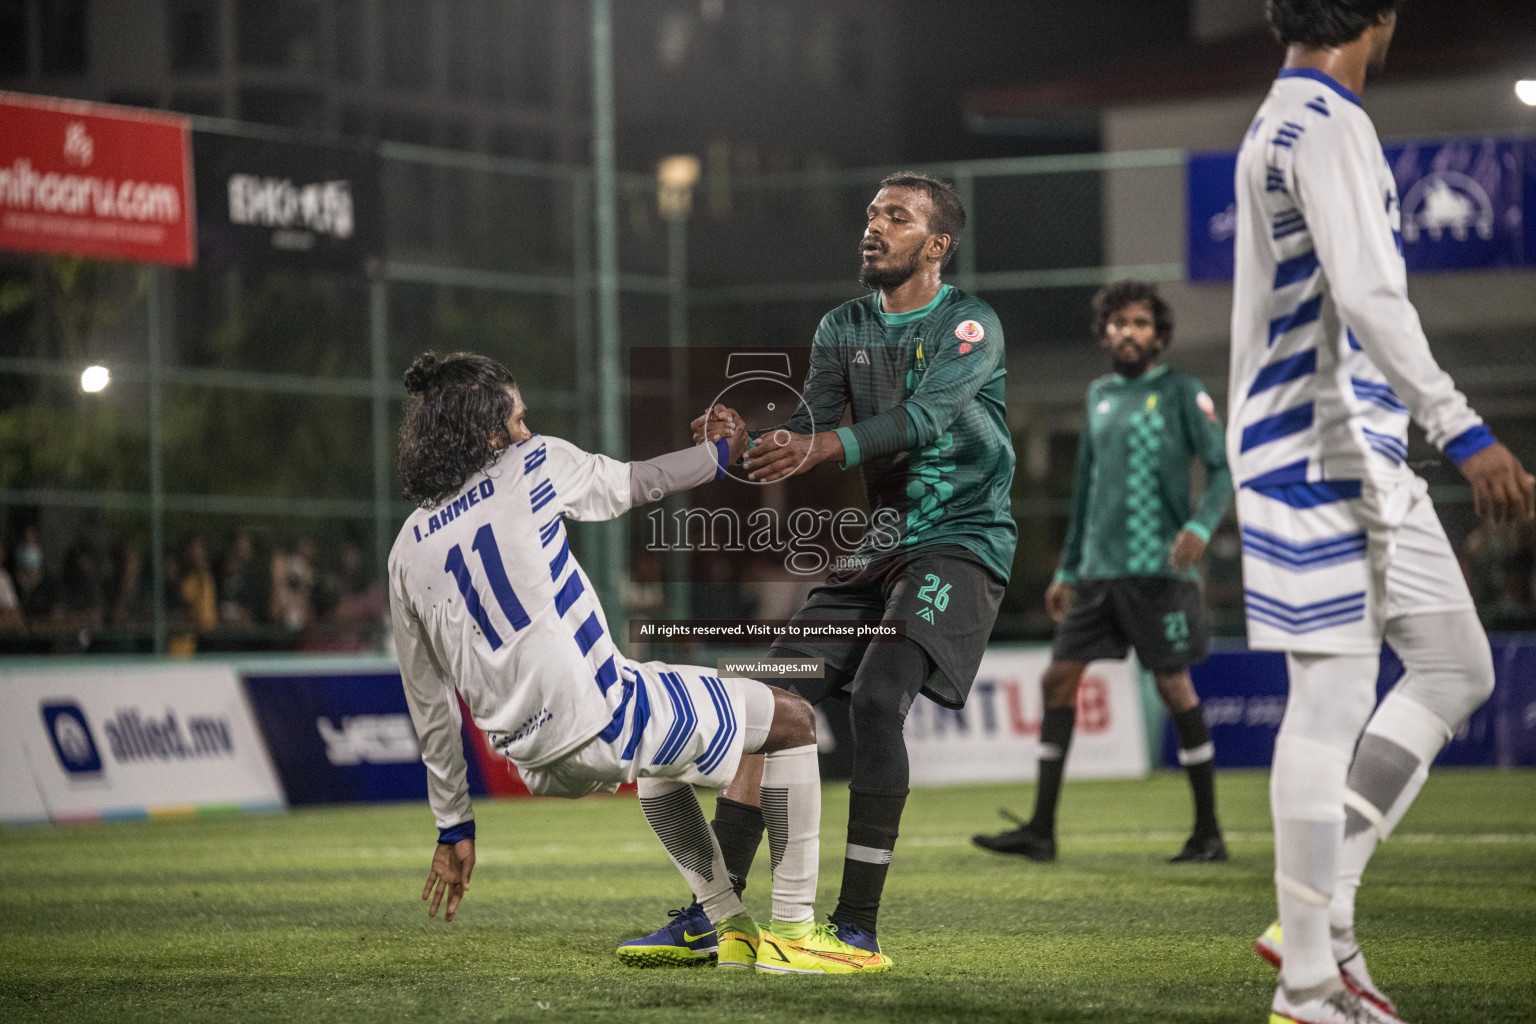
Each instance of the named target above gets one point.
<point>687,941</point>
<point>854,935</point>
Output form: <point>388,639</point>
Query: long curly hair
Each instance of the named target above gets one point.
<point>455,423</point>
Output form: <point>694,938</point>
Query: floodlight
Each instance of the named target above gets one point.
<point>95,378</point>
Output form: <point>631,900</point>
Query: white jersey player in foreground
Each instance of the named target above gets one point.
<point>1341,546</point>
<point>490,606</point>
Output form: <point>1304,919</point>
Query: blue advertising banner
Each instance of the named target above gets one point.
<point>1243,693</point>
<point>1463,206</point>
<point>342,738</point>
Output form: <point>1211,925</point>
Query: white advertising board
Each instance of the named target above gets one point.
<point>117,743</point>
<point>996,738</point>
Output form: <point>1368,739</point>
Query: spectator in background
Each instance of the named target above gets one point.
<point>130,588</point>
<point>360,596</point>
<point>239,582</point>
<point>35,589</point>
<point>10,605</point>
<point>198,589</point>
<point>293,578</point>
<point>80,596</point>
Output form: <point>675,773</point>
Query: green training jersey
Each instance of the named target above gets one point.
<point>1131,487</point>
<point>929,432</point>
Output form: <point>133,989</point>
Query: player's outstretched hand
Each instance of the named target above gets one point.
<point>452,864</point>
<point>1502,491</point>
<point>1058,598</point>
<point>780,453</point>
<point>1186,551</point>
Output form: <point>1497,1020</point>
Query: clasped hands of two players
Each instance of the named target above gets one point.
<point>777,454</point>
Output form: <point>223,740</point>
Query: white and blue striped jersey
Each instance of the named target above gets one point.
<point>1329,363</point>
<point>1329,360</point>
<point>489,604</point>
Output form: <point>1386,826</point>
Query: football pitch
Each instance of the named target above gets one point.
<point>315,915</point>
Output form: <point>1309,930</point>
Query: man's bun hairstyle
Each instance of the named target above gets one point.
<point>948,212</point>
<point>423,373</point>
<point>1324,22</point>
<point>455,423</point>
<point>1116,296</point>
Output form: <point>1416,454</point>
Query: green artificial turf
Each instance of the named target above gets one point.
<point>315,916</point>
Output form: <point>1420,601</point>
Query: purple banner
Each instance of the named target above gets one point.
<point>1244,697</point>
<point>1462,200</point>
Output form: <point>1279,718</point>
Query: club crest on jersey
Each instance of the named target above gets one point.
<point>970,331</point>
<point>1207,406</point>
<point>861,357</point>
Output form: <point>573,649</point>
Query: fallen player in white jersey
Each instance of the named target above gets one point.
<point>1341,546</point>
<point>489,606</point>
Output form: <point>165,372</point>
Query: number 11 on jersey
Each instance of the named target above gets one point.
<point>496,573</point>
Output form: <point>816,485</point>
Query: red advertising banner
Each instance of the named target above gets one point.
<point>92,180</point>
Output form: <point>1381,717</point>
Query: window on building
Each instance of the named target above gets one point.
<point>290,108</point>
<point>13,38</point>
<point>852,54</point>
<point>471,42</point>
<point>407,42</point>
<point>198,104</point>
<point>531,51</point>
<point>349,46</point>
<point>193,29</point>
<point>279,33</point>
<point>63,24</point>
<point>134,98</point>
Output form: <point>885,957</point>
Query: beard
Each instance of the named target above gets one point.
<point>891,276</point>
<point>1132,368</point>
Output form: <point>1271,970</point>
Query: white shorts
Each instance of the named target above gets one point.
<point>1326,578</point>
<point>678,722</point>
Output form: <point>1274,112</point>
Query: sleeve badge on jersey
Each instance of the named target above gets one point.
<point>1207,406</point>
<point>969,331</point>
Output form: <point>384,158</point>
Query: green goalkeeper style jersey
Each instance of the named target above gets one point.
<point>929,432</point>
<point>1131,487</point>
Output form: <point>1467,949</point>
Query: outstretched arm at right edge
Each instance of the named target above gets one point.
<point>1339,197</point>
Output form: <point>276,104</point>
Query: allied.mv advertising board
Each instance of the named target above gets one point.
<point>133,742</point>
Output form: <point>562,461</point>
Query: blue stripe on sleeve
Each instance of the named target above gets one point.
<point>589,633</point>
<point>1469,442</point>
<point>569,593</point>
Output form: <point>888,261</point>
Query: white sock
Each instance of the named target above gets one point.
<point>673,811</point>
<point>791,800</point>
<point>1330,699</point>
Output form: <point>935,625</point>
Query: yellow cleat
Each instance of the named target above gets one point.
<point>820,951</point>
<point>739,938</point>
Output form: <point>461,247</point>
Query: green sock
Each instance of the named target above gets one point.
<point>740,922</point>
<point>791,931</point>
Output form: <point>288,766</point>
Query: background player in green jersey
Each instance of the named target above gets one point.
<point>1127,576</point>
<point>920,366</point>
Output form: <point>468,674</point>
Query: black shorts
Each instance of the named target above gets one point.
<point>1164,619</point>
<point>946,597</point>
